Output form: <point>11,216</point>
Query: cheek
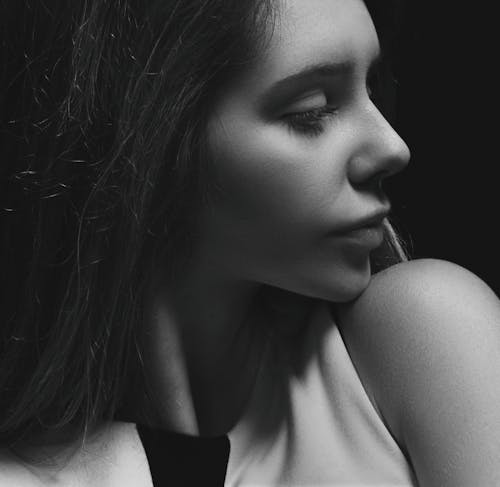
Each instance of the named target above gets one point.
<point>279,195</point>
<point>274,179</point>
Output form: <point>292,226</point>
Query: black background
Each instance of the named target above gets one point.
<point>446,201</point>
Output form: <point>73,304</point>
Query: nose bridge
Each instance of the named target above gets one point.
<point>382,151</point>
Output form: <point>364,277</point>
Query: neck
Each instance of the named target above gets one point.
<point>202,346</point>
<point>203,343</point>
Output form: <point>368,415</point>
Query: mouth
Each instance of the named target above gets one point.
<point>373,221</point>
<point>365,233</point>
<point>364,239</point>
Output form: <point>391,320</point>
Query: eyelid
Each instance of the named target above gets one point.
<point>308,101</point>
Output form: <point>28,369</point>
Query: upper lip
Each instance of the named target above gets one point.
<point>372,220</point>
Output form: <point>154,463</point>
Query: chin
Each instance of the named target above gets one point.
<point>348,291</point>
<point>340,286</point>
<point>350,281</point>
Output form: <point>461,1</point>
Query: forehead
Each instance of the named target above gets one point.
<point>318,31</point>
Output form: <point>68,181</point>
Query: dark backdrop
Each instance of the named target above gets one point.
<point>446,202</point>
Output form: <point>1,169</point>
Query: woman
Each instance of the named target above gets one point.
<point>209,219</point>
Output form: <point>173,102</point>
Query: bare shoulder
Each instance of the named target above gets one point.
<point>424,296</point>
<point>425,339</point>
<point>424,281</point>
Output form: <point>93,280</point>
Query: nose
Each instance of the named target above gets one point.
<point>381,152</point>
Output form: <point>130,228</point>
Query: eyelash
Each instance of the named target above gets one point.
<point>310,122</point>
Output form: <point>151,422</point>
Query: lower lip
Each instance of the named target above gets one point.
<point>368,237</point>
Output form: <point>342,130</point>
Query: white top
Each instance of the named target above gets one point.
<point>317,425</point>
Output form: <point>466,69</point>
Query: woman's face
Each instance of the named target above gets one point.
<point>299,151</point>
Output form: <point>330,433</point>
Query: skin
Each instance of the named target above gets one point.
<point>285,183</point>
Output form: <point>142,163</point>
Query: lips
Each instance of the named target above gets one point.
<point>372,221</point>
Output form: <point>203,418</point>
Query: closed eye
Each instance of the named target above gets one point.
<point>310,122</point>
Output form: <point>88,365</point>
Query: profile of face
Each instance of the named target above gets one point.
<point>299,151</point>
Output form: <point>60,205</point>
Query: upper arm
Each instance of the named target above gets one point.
<point>425,337</point>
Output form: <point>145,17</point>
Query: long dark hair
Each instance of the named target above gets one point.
<point>104,168</point>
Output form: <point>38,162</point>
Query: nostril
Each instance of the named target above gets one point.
<point>375,183</point>
<point>371,179</point>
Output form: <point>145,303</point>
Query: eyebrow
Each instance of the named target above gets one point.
<point>313,72</point>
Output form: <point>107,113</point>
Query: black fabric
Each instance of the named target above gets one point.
<point>180,460</point>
